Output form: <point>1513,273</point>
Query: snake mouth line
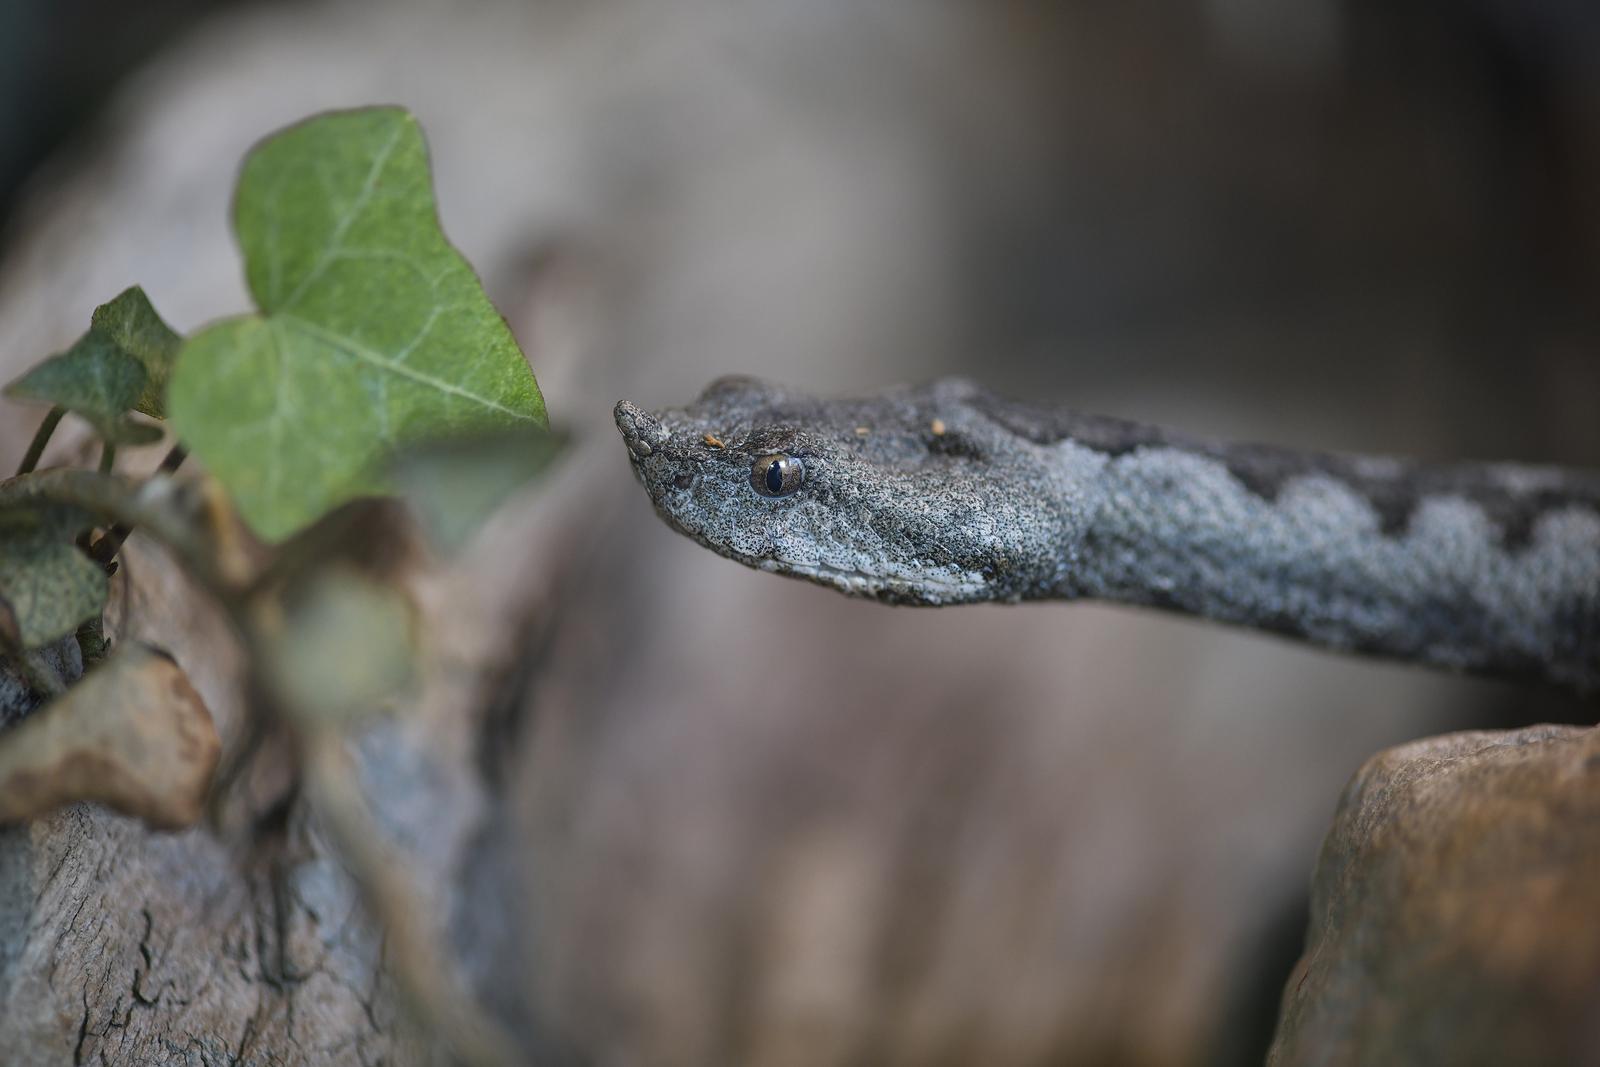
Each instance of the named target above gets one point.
<point>927,589</point>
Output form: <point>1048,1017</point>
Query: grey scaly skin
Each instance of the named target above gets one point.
<point>946,494</point>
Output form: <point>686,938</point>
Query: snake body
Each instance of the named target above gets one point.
<point>947,494</point>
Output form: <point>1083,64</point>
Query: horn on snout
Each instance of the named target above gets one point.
<point>641,430</point>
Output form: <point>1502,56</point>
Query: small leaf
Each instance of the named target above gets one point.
<point>130,321</point>
<point>48,584</point>
<point>96,379</point>
<point>374,331</point>
<point>344,650</point>
<point>455,484</point>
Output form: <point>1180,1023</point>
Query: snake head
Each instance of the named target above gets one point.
<point>905,497</point>
<point>730,471</point>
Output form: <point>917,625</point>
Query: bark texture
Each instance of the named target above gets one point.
<point>126,947</point>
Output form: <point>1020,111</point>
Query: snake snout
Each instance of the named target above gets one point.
<point>641,430</point>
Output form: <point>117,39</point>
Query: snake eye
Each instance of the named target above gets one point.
<point>777,475</point>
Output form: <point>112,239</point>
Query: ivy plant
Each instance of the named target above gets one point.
<point>372,354</point>
<point>372,332</point>
<point>371,365</point>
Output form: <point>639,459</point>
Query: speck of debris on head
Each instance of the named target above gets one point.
<point>712,440</point>
<point>937,426</point>
<point>862,431</point>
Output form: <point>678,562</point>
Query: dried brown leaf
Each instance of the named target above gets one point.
<point>132,735</point>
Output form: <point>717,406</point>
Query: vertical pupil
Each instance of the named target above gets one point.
<point>775,476</point>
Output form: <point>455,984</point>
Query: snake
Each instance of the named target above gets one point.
<point>945,493</point>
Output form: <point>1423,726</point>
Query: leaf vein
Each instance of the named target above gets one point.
<point>383,362</point>
<point>335,239</point>
<point>280,412</point>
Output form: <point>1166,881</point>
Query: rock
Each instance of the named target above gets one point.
<point>1454,907</point>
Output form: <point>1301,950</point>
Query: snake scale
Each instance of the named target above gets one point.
<point>948,494</point>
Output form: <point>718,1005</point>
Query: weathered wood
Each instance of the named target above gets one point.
<point>124,946</point>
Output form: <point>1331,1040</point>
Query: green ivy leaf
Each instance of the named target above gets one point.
<point>373,331</point>
<point>454,485</point>
<point>48,584</point>
<point>131,322</point>
<point>96,379</point>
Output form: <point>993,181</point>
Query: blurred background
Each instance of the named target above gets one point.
<point>734,819</point>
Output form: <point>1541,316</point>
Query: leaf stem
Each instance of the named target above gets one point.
<point>40,439</point>
<point>114,499</point>
<point>173,459</point>
<point>106,547</point>
<point>108,456</point>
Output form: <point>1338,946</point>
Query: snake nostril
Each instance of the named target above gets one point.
<point>684,480</point>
